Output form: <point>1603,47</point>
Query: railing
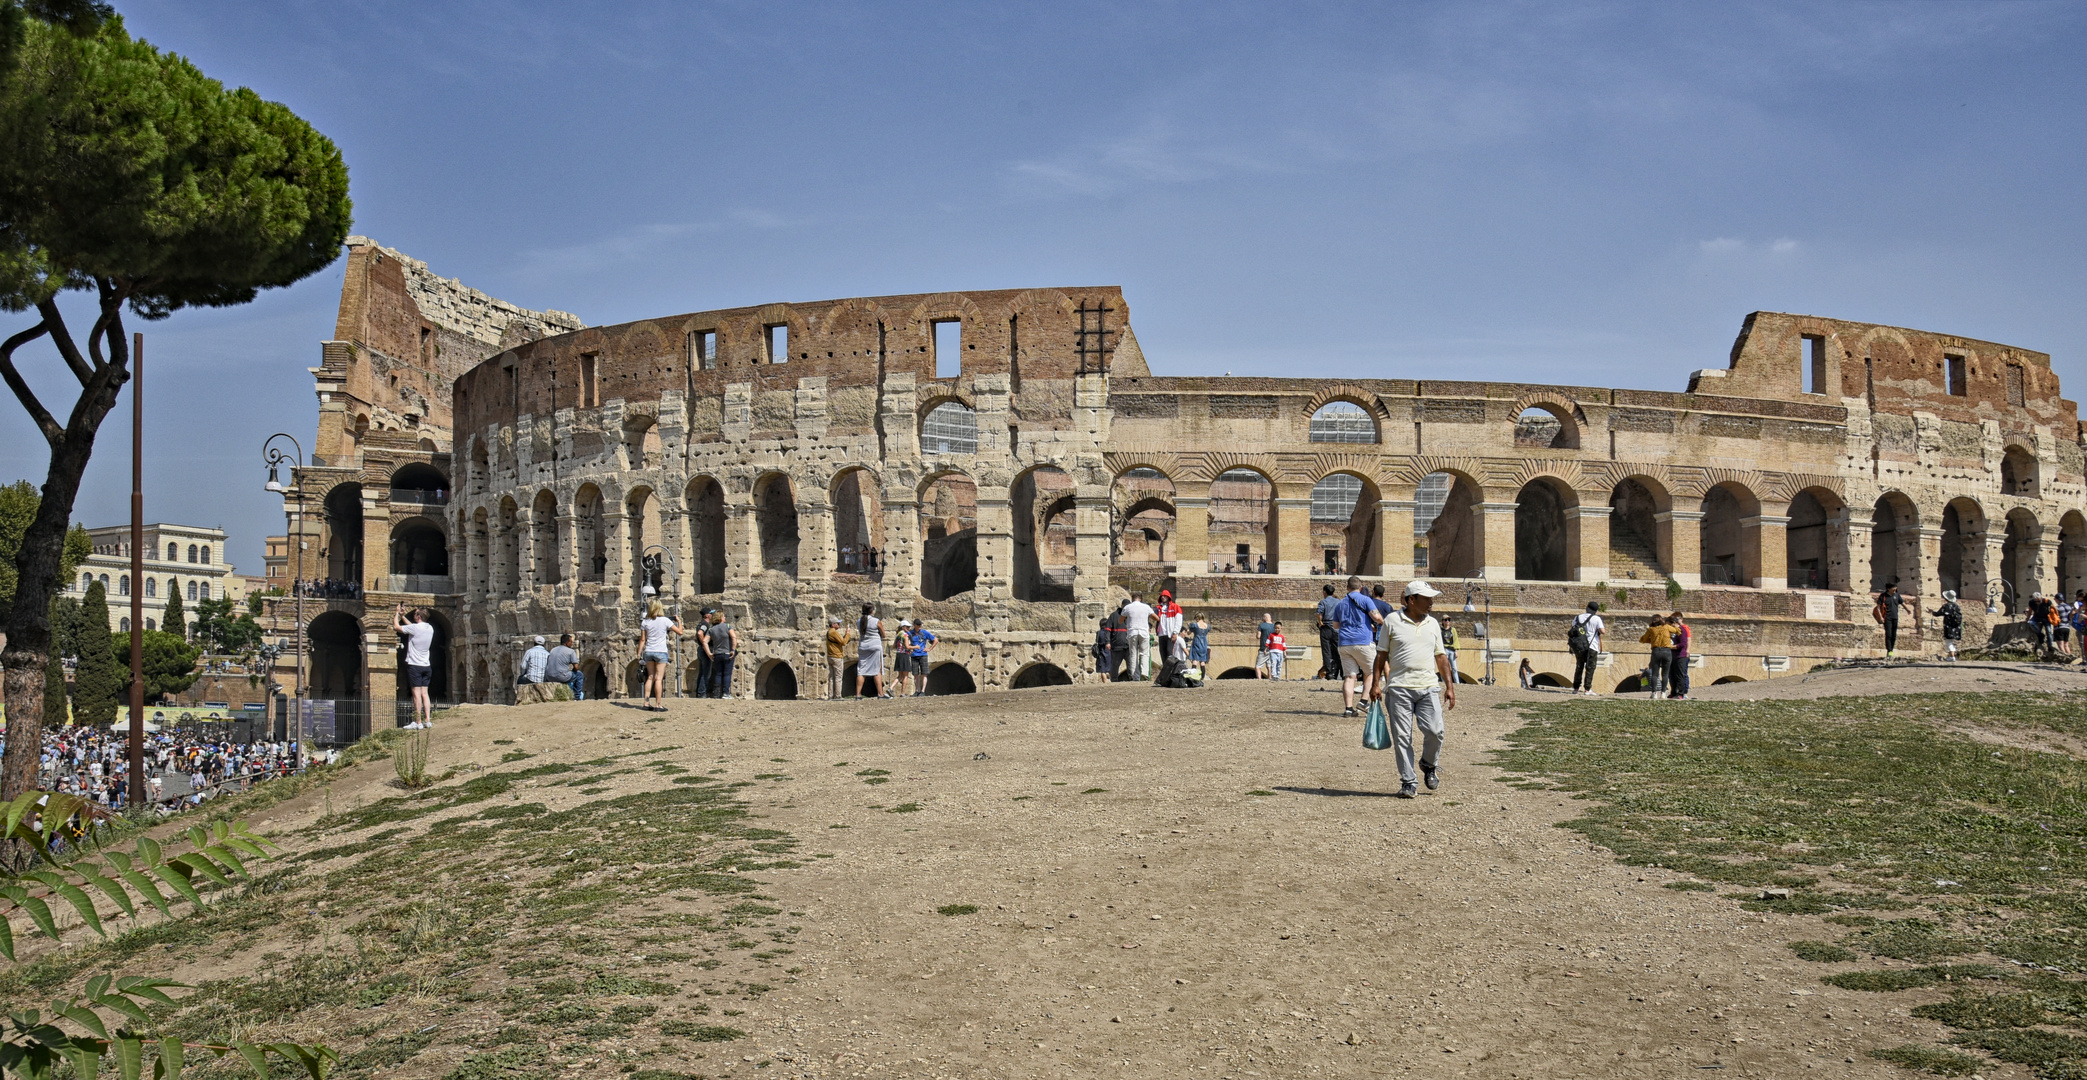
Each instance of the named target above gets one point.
<point>420,496</point>
<point>435,584</point>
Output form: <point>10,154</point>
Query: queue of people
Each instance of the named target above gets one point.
<point>180,767</point>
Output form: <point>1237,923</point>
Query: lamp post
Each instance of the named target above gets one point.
<point>1472,590</point>
<point>274,457</point>
<point>1995,590</point>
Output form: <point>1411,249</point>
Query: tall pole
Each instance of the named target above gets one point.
<point>137,569</point>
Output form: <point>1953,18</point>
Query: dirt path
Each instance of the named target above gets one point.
<point>1241,898</point>
<point>1174,924</point>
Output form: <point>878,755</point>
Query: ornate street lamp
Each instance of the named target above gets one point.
<point>275,459</point>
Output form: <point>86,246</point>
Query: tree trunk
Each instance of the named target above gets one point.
<point>36,564</point>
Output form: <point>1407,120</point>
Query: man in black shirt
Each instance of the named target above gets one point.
<point>1890,603</point>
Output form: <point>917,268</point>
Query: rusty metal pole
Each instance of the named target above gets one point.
<point>137,571</point>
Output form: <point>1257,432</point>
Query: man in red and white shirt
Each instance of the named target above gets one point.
<point>1276,652</point>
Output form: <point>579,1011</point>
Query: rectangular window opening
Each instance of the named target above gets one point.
<point>1957,382</point>
<point>779,344</point>
<point>703,343</point>
<point>949,348</point>
<point>1814,364</point>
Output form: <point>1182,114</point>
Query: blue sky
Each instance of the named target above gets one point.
<point>1585,193</point>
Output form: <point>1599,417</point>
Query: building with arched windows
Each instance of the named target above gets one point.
<point>195,565</point>
<point>1003,465</point>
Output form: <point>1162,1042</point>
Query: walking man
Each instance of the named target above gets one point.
<point>837,652</point>
<point>1139,617</point>
<point>419,637</point>
<point>1329,634</point>
<point>1411,664</point>
<point>1889,605</point>
<point>922,639</point>
<point>1584,639</point>
<point>1355,635</point>
<point>563,666</point>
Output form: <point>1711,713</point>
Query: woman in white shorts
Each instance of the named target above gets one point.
<point>869,654</point>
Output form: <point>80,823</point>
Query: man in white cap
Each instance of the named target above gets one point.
<point>534,661</point>
<point>1411,664</point>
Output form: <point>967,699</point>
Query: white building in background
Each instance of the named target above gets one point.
<point>184,560</point>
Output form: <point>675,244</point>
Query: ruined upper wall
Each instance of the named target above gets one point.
<point>1896,371</point>
<point>1033,337</point>
<point>404,335</point>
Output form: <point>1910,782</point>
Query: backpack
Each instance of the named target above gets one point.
<point>1576,635</point>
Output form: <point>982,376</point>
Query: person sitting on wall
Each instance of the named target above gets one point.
<point>534,663</point>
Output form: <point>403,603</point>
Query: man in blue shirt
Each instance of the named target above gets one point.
<point>1356,635</point>
<point>1329,643</point>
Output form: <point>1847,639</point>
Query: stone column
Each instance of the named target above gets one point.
<point>617,527</point>
<point>901,546</point>
<point>816,551</point>
<point>376,542</point>
<point>1293,534</point>
<point>1192,530</point>
<point>996,545</point>
<point>1764,544</point>
<point>380,659</point>
<point>1090,588</point>
<point>1860,520</point>
<point>1929,540</point>
<point>742,555</point>
<point>2042,570</point>
<point>1839,555</point>
<point>1681,541</point>
<point>1993,552</point>
<point>568,544</point>
<point>1587,542</point>
<point>1395,536</point>
<point>1496,540</point>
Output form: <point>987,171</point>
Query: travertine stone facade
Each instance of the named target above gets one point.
<point>1004,465</point>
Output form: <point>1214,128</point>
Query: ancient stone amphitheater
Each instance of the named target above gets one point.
<point>1004,466</point>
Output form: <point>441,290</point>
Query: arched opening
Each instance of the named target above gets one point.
<point>1549,678</point>
<point>1446,540</point>
<point>1040,674</point>
<point>646,568</point>
<point>1046,535</point>
<point>343,533</point>
<point>1242,523</point>
<point>1963,550</point>
<point>336,656</point>
<point>705,502</point>
<point>1731,550</point>
<point>775,519</point>
<point>2018,473</point>
<point>421,483</point>
<point>1633,685</point>
<point>858,524</point>
<point>1541,543</point>
<point>419,555</point>
<point>2021,561</point>
<point>479,471</point>
<point>950,678</point>
<point>1809,540</point>
<point>1141,509</point>
<point>1343,422</point>
<point>949,428</point>
<point>1894,544</point>
<point>1547,427</point>
<point>543,538</point>
<point>948,537</point>
<point>591,526</point>
<point>1237,673</point>
<point>1727,679</point>
<point>2072,555</point>
<point>475,553</point>
<point>1344,525</point>
<point>776,682</point>
<point>641,442</point>
<point>634,679</point>
<point>596,679</point>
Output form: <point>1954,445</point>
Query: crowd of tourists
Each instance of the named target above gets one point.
<point>180,766</point>
<point>327,589</point>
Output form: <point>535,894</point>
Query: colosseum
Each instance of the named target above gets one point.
<point>1004,466</point>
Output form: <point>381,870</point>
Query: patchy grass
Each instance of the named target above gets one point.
<point>1860,807</point>
<point>957,909</point>
<point>1928,1059</point>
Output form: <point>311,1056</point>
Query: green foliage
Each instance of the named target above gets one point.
<point>254,600</point>
<point>223,633</point>
<point>99,679</point>
<point>128,165</point>
<point>175,621</point>
<point>18,504</point>
<point>1673,591</point>
<point>957,909</point>
<point>34,1045</point>
<point>1928,1059</point>
<point>169,663</point>
<point>1821,952</point>
<point>410,759</point>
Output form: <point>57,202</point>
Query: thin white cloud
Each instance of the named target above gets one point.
<point>640,244</point>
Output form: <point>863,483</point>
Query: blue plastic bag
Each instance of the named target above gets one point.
<point>1376,732</point>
